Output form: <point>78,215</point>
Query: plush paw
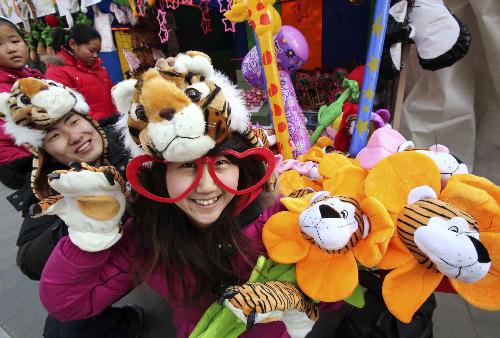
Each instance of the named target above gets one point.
<point>90,201</point>
<point>272,301</point>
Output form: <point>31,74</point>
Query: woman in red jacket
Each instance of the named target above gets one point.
<point>78,66</point>
<point>15,160</point>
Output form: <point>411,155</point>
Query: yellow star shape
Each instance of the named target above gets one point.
<point>373,64</point>
<point>368,93</point>
<point>361,126</point>
<point>365,108</point>
<point>377,27</point>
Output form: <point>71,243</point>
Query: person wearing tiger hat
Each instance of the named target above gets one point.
<point>51,121</point>
<point>198,214</point>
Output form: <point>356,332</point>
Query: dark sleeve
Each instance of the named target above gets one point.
<point>13,174</point>
<point>37,238</point>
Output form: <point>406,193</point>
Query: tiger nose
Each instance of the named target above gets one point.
<point>327,211</point>
<point>167,113</point>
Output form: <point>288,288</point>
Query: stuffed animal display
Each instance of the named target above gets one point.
<point>390,209</point>
<point>441,39</point>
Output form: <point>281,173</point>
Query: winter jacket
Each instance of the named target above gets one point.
<point>8,150</point>
<point>38,236</point>
<point>92,82</point>
<point>78,284</point>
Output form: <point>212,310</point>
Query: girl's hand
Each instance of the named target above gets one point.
<point>91,201</point>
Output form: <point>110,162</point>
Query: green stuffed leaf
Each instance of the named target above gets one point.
<point>357,299</point>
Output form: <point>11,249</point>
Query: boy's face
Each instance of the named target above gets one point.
<point>74,138</point>
<point>13,50</point>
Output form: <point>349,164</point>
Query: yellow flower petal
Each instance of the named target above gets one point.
<point>332,162</point>
<point>327,277</point>
<point>347,181</point>
<point>396,255</point>
<point>406,288</point>
<point>485,293</point>
<point>283,240</point>
<point>370,250</point>
<point>476,196</point>
<point>391,179</point>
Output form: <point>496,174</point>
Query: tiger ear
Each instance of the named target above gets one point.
<point>122,95</point>
<point>150,74</point>
<point>421,193</point>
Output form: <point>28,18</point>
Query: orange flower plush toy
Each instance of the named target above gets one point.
<point>326,233</point>
<point>452,233</point>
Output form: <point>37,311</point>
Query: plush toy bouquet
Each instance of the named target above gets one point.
<point>416,213</point>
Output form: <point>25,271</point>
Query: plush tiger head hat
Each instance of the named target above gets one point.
<point>179,110</point>
<point>30,109</point>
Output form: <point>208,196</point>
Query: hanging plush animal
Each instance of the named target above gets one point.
<point>452,233</point>
<point>441,39</point>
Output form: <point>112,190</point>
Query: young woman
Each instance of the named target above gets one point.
<point>78,66</point>
<point>68,136</point>
<point>15,161</point>
<point>197,224</point>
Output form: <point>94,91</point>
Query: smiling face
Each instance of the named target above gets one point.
<point>74,138</point>
<point>13,50</point>
<point>205,203</point>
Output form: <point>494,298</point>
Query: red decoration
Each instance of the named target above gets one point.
<point>51,20</point>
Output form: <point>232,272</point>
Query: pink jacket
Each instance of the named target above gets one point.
<point>93,82</point>
<point>8,150</point>
<point>77,284</point>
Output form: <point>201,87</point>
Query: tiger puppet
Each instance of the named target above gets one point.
<point>90,200</point>
<point>450,233</point>
<point>328,232</point>
<point>179,110</point>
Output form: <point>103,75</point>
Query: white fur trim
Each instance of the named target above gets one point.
<point>121,126</point>
<point>240,117</point>
<point>122,95</point>
<point>81,105</point>
<point>195,64</point>
<point>421,193</point>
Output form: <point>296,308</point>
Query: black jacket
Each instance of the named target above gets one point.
<point>38,236</point>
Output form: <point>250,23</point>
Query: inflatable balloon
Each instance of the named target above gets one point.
<point>291,53</point>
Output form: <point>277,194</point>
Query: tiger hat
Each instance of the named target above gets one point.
<point>179,110</point>
<point>30,109</point>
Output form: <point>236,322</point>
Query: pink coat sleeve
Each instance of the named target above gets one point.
<point>76,284</point>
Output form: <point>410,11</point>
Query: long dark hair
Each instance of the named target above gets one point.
<point>197,259</point>
<point>80,33</point>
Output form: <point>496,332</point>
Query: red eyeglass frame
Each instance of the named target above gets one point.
<point>135,165</point>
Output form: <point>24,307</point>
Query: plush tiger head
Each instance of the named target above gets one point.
<point>178,114</point>
<point>439,235</point>
<point>334,223</point>
<point>34,105</point>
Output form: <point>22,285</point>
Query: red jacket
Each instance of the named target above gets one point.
<point>92,82</point>
<point>8,150</point>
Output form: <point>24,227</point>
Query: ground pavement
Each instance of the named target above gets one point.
<point>22,315</point>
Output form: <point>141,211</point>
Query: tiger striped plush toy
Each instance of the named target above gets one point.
<point>326,233</point>
<point>272,301</point>
<point>91,202</point>
<point>452,233</point>
<point>179,112</point>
